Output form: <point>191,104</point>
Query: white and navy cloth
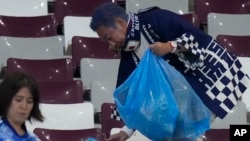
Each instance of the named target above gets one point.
<point>8,133</point>
<point>215,74</point>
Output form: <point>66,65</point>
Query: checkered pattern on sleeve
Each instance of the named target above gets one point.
<point>228,90</point>
<point>115,115</point>
<point>188,41</point>
<point>221,78</point>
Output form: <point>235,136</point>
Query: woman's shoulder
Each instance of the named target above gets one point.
<point>3,126</point>
<point>5,132</point>
<point>33,137</point>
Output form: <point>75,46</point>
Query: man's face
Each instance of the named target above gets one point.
<point>114,36</point>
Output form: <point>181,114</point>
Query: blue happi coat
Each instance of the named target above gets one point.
<point>8,133</point>
<point>213,72</point>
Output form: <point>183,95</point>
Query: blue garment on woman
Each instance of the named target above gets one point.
<point>8,133</point>
<point>215,74</point>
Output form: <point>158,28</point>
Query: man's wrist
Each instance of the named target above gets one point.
<point>173,45</point>
<point>128,131</point>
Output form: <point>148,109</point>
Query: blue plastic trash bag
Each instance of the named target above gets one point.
<point>89,139</point>
<point>158,101</point>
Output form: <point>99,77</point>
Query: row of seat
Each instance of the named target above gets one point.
<point>69,135</point>
<point>201,7</point>
<point>217,25</point>
<point>97,75</point>
<point>23,8</point>
<point>64,8</point>
<point>42,33</point>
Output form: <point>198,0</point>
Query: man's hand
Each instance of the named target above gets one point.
<point>160,48</point>
<point>121,136</point>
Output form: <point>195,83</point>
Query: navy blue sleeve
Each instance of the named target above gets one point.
<point>173,27</point>
<point>126,67</point>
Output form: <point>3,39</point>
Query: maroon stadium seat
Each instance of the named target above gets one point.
<point>43,70</point>
<point>36,26</point>
<point>75,8</point>
<point>87,47</point>
<point>107,121</point>
<point>203,7</point>
<point>68,135</point>
<point>235,44</point>
<point>217,135</point>
<point>61,92</point>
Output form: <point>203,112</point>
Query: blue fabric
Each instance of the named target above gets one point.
<point>160,25</point>
<point>90,139</point>
<point>7,133</point>
<point>157,101</point>
<point>215,74</point>
<point>134,33</point>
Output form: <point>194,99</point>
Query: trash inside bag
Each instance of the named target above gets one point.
<point>158,101</point>
<point>89,139</point>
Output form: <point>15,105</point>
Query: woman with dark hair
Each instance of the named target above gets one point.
<point>19,101</point>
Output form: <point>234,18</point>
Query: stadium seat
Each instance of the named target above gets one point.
<point>31,48</point>
<point>75,8</point>
<point>61,92</point>
<point>23,8</point>
<point>76,26</point>
<point>36,26</point>
<point>232,117</point>
<point>44,70</point>
<point>99,76</point>
<point>236,44</point>
<point>101,92</point>
<point>90,47</point>
<point>180,7</point>
<point>203,7</point>
<point>93,69</point>
<point>68,135</point>
<point>228,24</point>
<point>107,121</point>
<point>65,116</point>
<point>217,135</point>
